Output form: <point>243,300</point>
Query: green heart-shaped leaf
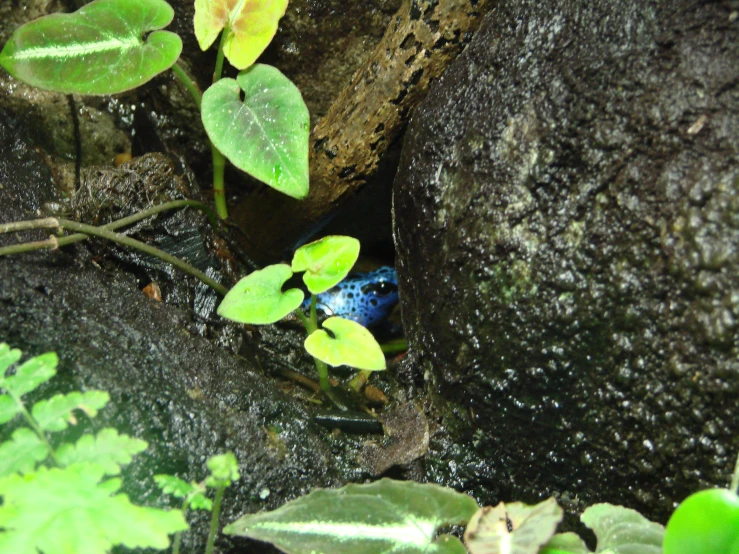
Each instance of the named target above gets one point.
<point>352,345</point>
<point>258,298</point>
<point>251,26</point>
<point>99,49</point>
<point>326,261</point>
<point>266,134</point>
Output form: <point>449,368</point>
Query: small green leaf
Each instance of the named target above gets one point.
<point>21,453</point>
<point>565,543</point>
<point>99,49</point>
<point>352,345</point>
<point>70,510</point>
<point>512,528</point>
<point>385,516</point>
<point>621,530</point>
<point>326,261</point>
<point>55,413</point>
<point>7,358</point>
<point>174,486</point>
<point>252,24</point>
<point>258,298</point>
<point>107,449</point>
<point>32,373</point>
<point>266,134</point>
<point>224,470</point>
<point>198,501</point>
<point>8,408</point>
<point>192,492</point>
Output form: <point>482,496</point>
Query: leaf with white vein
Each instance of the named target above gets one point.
<point>105,47</point>
<point>382,517</point>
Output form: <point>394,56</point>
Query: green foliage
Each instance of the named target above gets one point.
<point>249,25</point>
<point>59,500</point>
<point>351,345</point>
<point>98,49</point>
<point>192,493</point>
<point>108,450</point>
<point>111,46</point>
<point>512,528</point>
<point>266,133</point>
<point>21,453</point>
<point>394,516</point>
<point>707,522</point>
<point>224,470</point>
<point>56,413</point>
<point>619,530</point>
<point>326,261</point>
<point>565,543</point>
<point>74,510</point>
<point>385,516</point>
<point>258,299</point>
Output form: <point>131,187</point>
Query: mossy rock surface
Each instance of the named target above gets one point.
<point>568,247</point>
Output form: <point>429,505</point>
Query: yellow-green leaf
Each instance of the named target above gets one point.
<point>258,298</point>
<point>326,261</point>
<point>250,25</point>
<point>352,345</point>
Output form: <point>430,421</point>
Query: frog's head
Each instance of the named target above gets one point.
<point>379,294</point>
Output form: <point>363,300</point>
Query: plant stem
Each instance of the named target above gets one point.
<point>735,478</point>
<point>106,231</point>
<point>360,379</point>
<point>143,247</point>
<point>53,223</point>
<point>46,223</point>
<point>311,325</point>
<point>302,317</point>
<point>102,232</point>
<point>214,520</point>
<point>219,192</point>
<point>188,83</point>
<point>219,160</point>
<point>395,345</point>
<point>177,542</point>
<point>52,243</point>
<point>313,314</point>
<point>32,422</point>
<point>219,56</point>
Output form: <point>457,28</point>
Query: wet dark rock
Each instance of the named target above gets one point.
<point>25,181</point>
<point>51,118</point>
<point>568,248</point>
<point>187,398</point>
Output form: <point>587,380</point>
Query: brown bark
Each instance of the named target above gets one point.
<point>347,144</point>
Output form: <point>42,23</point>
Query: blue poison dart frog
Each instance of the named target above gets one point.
<point>367,298</point>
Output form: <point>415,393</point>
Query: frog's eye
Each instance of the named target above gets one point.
<point>382,288</point>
